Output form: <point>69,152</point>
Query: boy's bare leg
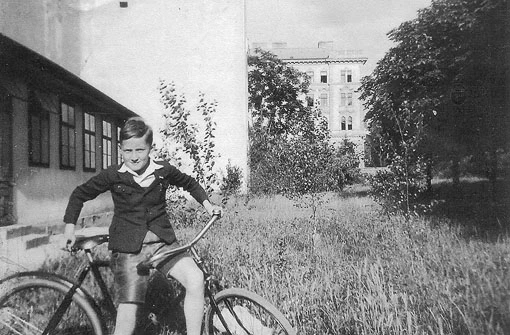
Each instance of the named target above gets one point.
<point>126,319</point>
<point>189,275</point>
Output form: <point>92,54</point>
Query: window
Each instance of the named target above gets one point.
<point>324,77</point>
<point>310,75</point>
<point>309,100</point>
<point>349,99</point>
<point>343,99</point>
<point>89,142</point>
<point>324,99</point>
<point>349,123</point>
<point>119,156</point>
<point>67,136</point>
<point>38,133</point>
<point>342,125</point>
<point>346,76</point>
<point>107,144</point>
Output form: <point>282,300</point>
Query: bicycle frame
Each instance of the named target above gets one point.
<point>94,266</point>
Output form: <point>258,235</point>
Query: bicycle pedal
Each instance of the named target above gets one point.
<point>153,318</point>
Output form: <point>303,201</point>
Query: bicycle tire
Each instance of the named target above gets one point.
<point>29,300</point>
<point>258,316</point>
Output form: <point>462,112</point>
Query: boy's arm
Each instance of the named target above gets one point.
<point>190,185</point>
<point>87,191</point>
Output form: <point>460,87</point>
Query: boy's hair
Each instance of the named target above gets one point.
<point>136,127</point>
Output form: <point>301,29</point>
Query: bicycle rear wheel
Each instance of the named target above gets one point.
<point>28,302</point>
<point>245,313</point>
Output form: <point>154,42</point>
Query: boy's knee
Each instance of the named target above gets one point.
<point>194,281</point>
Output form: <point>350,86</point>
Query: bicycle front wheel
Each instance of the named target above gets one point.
<point>28,303</point>
<point>244,312</point>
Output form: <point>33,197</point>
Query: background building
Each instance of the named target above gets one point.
<point>335,77</point>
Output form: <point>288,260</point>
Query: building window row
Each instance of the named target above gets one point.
<point>345,76</point>
<point>323,76</point>
<point>39,137</point>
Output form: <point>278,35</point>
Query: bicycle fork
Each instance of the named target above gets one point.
<point>209,293</point>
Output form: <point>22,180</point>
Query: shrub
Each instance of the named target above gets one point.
<point>398,188</point>
<point>231,182</point>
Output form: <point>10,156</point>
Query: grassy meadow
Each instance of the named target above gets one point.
<point>356,271</point>
<point>366,273</point>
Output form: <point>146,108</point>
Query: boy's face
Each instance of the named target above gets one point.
<point>135,152</point>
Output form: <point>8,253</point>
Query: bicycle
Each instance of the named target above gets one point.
<point>39,302</point>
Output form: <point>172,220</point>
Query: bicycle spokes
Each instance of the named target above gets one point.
<point>15,324</point>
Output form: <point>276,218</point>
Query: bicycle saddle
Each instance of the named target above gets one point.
<point>89,242</point>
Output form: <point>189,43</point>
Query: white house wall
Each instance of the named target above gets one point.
<point>41,193</point>
<point>199,45</point>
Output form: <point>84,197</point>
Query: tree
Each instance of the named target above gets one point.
<point>275,95</point>
<point>290,148</point>
<point>439,93</point>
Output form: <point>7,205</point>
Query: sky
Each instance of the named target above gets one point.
<point>350,24</point>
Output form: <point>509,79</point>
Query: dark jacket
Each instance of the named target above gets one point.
<point>136,209</point>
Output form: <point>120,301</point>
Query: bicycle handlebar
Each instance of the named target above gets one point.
<point>145,266</point>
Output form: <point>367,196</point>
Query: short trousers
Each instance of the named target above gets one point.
<point>130,286</point>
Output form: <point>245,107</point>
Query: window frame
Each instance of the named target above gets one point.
<point>346,76</point>
<point>68,126</point>
<point>119,153</point>
<point>324,77</point>
<point>343,99</point>
<point>89,137</point>
<point>38,112</point>
<point>323,98</point>
<point>107,142</point>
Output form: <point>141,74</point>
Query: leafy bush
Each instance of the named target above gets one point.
<point>231,182</point>
<point>398,188</point>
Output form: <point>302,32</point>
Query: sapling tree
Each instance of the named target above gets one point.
<point>290,146</point>
<point>188,139</point>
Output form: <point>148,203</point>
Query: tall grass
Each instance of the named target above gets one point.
<point>360,272</point>
<point>364,273</point>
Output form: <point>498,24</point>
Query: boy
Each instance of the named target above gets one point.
<point>140,226</point>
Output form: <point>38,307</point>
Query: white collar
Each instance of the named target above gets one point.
<point>153,166</point>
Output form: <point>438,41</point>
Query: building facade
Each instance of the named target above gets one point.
<point>56,131</point>
<point>334,81</point>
